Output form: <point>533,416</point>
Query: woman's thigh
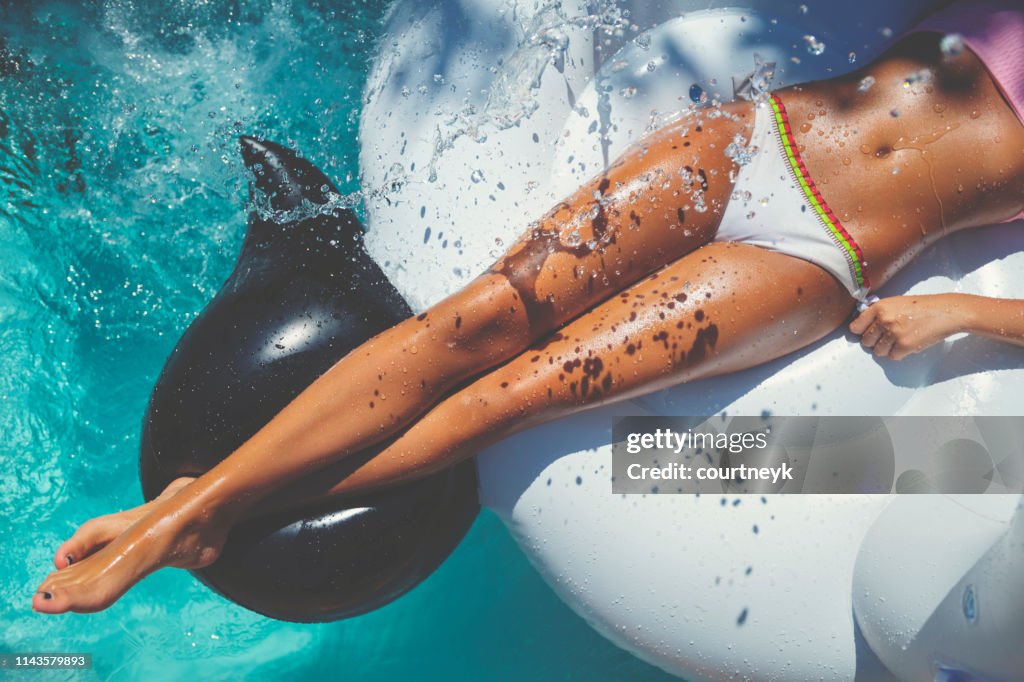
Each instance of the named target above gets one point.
<point>723,308</point>
<point>660,200</point>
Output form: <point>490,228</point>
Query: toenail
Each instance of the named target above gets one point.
<point>70,559</point>
<point>47,595</point>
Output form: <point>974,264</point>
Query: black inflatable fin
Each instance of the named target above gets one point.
<point>302,294</point>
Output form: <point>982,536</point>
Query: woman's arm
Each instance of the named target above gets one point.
<point>898,326</point>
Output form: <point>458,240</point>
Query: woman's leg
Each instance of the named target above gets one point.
<point>723,308</point>
<point>720,309</point>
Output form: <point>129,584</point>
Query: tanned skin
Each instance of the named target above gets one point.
<point>617,292</point>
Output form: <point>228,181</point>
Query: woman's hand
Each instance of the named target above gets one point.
<point>898,326</point>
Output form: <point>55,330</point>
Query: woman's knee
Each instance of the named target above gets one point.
<point>484,322</point>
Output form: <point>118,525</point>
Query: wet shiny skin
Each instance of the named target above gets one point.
<point>554,327</point>
<point>903,164</point>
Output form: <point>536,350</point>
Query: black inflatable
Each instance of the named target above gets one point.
<point>302,294</point>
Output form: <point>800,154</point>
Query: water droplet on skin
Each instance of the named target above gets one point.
<point>939,108</point>
<point>975,113</point>
<point>847,161</point>
<point>952,45</point>
<point>865,149</point>
<point>805,127</point>
<point>866,83</point>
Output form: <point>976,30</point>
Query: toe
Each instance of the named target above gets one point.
<point>70,591</point>
<point>50,597</point>
<point>90,536</point>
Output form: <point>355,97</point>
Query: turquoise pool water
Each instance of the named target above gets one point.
<point>121,209</point>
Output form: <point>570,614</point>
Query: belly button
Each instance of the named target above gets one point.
<point>883,151</point>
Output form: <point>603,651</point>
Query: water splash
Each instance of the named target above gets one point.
<point>756,86</point>
<point>814,46</point>
<point>514,93</point>
<point>740,151</point>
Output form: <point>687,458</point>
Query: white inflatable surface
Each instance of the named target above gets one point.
<point>479,115</point>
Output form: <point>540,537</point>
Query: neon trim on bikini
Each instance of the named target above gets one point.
<point>839,234</point>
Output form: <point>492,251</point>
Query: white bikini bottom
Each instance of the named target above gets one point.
<point>776,205</point>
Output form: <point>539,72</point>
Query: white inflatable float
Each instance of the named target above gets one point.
<point>478,116</point>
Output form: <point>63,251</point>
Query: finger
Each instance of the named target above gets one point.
<point>864,320</point>
<point>872,335</point>
<point>884,345</point>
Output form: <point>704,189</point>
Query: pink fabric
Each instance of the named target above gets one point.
<point>994,30</point>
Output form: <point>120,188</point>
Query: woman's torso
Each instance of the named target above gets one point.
<point>929,148</point>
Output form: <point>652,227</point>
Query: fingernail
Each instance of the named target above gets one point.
<point>47,595</point>
<point>70,559</point>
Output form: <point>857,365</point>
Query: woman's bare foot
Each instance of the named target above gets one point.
<point>96,533</point>
<point>176,529</point>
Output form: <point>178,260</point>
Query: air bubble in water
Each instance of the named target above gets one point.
<point>477,176</point>
<point>852,57</point>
